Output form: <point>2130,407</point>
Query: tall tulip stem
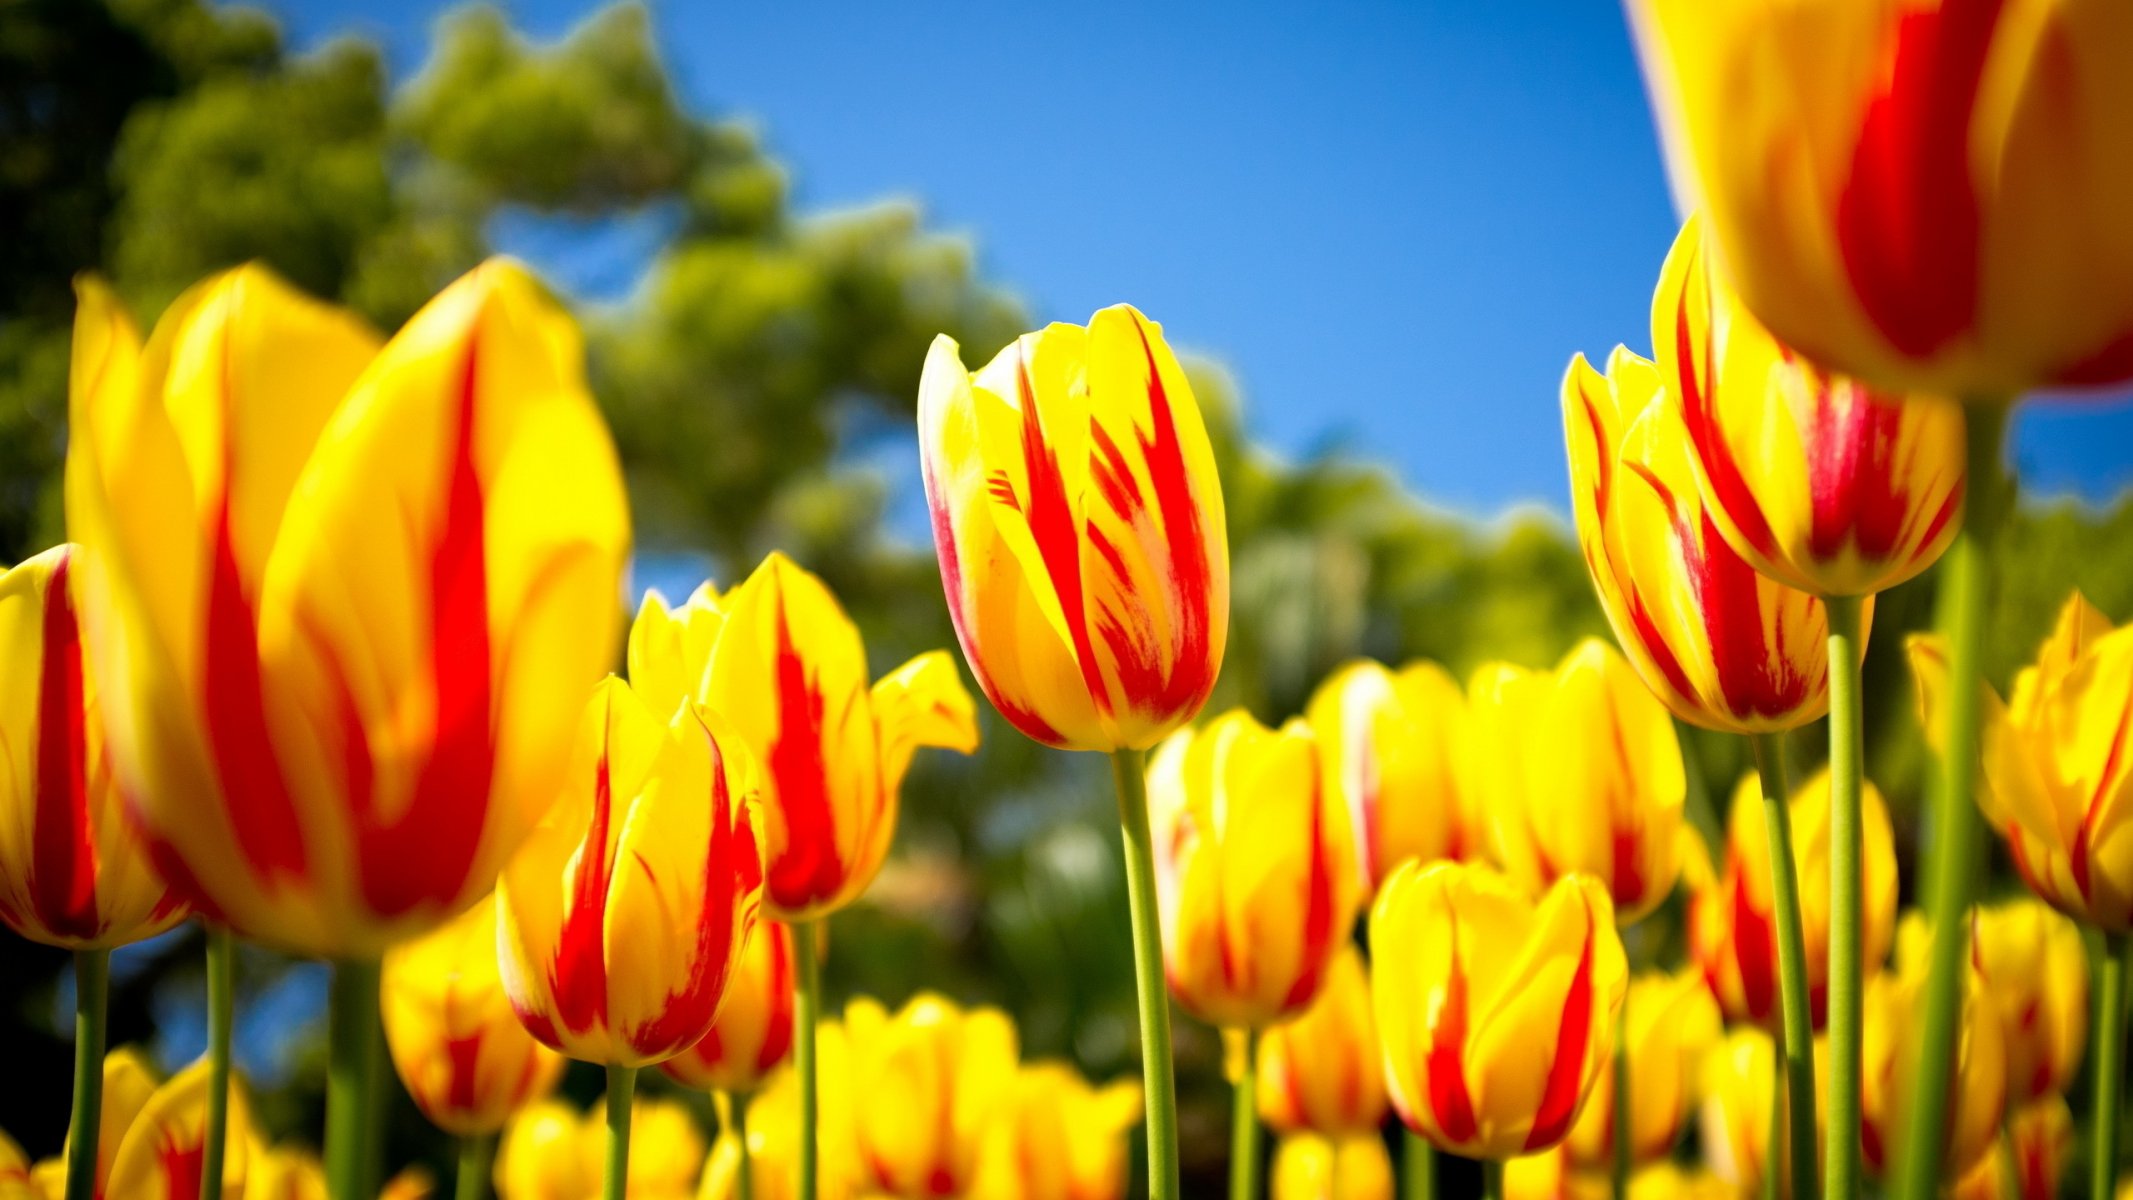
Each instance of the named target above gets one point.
<point>352,1092</point>
<point>1418,1168</point>
<point>737,1125</point>
<point>1244,1114</point>
<point>621,1097</point>
<point>92,981</point>
<point>2109,1064</point>
<point>1129,772</point>
<point>221,1015</point>
<point>1847,772</point>
<point>807,1013</point>
<point>1492,1179</point>
<point>1624,1113</point>
<point>1794,1014</point>
<point>477,1151</point>
<point>1953,869</point>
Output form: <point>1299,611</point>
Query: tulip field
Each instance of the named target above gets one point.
<point>1785,849</point>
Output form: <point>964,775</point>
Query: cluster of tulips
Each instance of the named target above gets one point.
<point>322,668</point>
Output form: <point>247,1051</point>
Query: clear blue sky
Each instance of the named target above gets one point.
<point>1394,221</point>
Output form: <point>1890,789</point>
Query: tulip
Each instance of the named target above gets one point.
<point>542,1155</point>
<point>1309,1166</point>
<point>160,1154</point>
<point>1671,1022</point>
<point>2032,1156</point>
<point>951,1072</point>
<point>15,1181</point>
<point>1059,1138</point>
<point>2035,973</point>
<point>411,1183</point>
<point>285,1173</point>
<point>752,1034</point>
<point>771,1128</point>
<point>1323,1071</point>
<point>1743,1090</point>
<point>128,1082</point>
<point>1893,1000</point>
<point>1497,1013</point>
<point>1392,755</point>
<point>1549,1177</point>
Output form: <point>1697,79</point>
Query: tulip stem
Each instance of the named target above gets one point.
<point>2109,1065</point>
<point>476,1152</point>
<point>1244,1116</point>
<point>92,980</point>
<point>352,1081</point>
<point>1624,1111</point>
<point>737,1125</point>
<point>1795,1016</point>
<point>1953,868</point>
<point>1847,771</point>
<point>221,1014</point>
<point>1129,772</point>
<point>1418,1168</point>
<point>621,1096</point>
<point>1492,1179</point>
<point>807,1011</point>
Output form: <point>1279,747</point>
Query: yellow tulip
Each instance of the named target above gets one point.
<point>1888,1049</point>
<point>1254,870</point>
<point>1585,776</point>
<point>950,1073</point>
<point>1672,1022</point>
<point>1393,755</point>
<point>1080,531</point>
<point>160,1155</point>
<point>74,871</point>
<point>1059,1138</point>
<point>1671,1181</point>
<point>342,600</point>
<point>2041,1137</point>
<point>1732,924</point>
<point>1547,1176</point>
<point>1737,1082</point>
<point>1323,1072</point>
<point>621,918</point>
<point>2052,780</point>
<point>1819,481</point>
<point>1497,1013</point>
<point>285,1173</point>
<point>456,1042</point>
<point>129,1083</point>
<point>410,1183</point>
<point>550,1151</point>
<point>2035,973</point>
<point>15,1179</point>
<point>1308,1166</point>
<point>752,1033</point>
<point>779,659</point>
<point>774,1133</point>
<point>1930,194</point>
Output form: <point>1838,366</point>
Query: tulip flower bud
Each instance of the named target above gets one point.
<point>951,1072</point>
<point>2040,1136</point>
<point>1059,1138</point>
<point>1309,1166</point>
<point>1585,776</point>
<point>1888,1053</point>
<point>455,1040</point>
<point>1496,1012</point>
<point>1733,923</point>
<point>74,871</point>
<point>1254,870</point>
<point>2035,972</point>
<point>1672,1023</point>
<point>160,1155</point>
<point>1738,1079</point>
<point>286,1173</point>
<point>623,914</point>
<point>342,600</point>
<point>1323,1072</point>
<point>1079,526</point>
<point>753,1031</point>
<point>542,1155</point>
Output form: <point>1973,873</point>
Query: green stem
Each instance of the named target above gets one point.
<point>352,1081</point>
<point>621,1096</point>
<point>807,1011</point>
<point>1624,1114</point>
<point>1954,865</point>
<point>1847,772</point>
<point>221,1012</point>
<point>1128,771</point>
<point>92,982</point>
<point>476,1152</point>
<point>1492,1179</point>
<point>2109,1065</point>
<point>1244,1121</point>
<point>1796,1017</point>
<point>1418,1168</point>
<point>744,1179</point>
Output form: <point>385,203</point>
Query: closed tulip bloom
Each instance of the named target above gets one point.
<point>1323,1072</point>
<point>1733,925</point>
<point>1888,1050</point>
<point>2040,1138</point>
<point>2051,782</point>
<point>1308,1166</point>
<point>285,1173</point>
<point>752,1033</point>
<point>951,1072</point>
<point>1059,1138</point>
<point>1080,531</point>
<point>1254,870</point>
<point>1585,776</point>
<point>621,918</point>
<point>1818,480</point>
<point>1672,1022</point>
<point>342,599</point>
<point>1725,647</point>
<point>2035,973</point>
<point>1392,753</point>
<point>543,1155</point>
<point>74,871</point>
<point>160,1155</point>
<point>1497,1012</point>
<point>1929,193</point>
<point>454,1038</point>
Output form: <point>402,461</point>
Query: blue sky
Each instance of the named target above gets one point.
<point>1393,221</point>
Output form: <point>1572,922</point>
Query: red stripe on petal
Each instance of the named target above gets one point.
<point>1052,527</point>
<point>1189,674</point>
<point>1318,931</point>
<point>808,870</point>
<point>2078,854</point>
<point>1449,1102</point>
<point>262,814</point>
<point>63,866</point>
<point>180,1166</point>
<point>778,1029</point>
<point>1559,1097</point>
<point>1754,954</point>
<point>578,977</point>
<point>1699,411</point>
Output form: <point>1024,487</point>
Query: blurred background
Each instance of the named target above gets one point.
<point>1381,229</point>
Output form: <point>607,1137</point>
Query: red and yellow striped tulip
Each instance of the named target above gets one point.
<point>1819,481</point>
<point>753,1032</point>
<point>129,1083</point>
<point>1080,530</point>
<point>2035,973</point>
<point>1059,1138</point>
<point>952,1072</point>
<point>286,1173</point>
<point>1585,776</point>
<point>1497,1012</point>
<point>622,916</point>
<point>1888,1052</point>
<point>74,871</point>
<point>1733,924</point>
<point>1672,1023</point>
<point>342,599</point>
<point>778,658</point>
<point>2040,1137</point>
<point>1309,1166</point>
<point>162,1152</point>
<point>1928,194</point>
<point>454,1038</point>
<point>1254,870</point>
<point>1323,1072</point>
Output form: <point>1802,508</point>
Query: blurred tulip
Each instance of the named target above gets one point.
<point>1059,1138</point>
<point>774,1133</point>
<point>752,1034</point>
<point>1497,1013</point>
<point>1585,776</point>
<point>1672,1023</point>
<point>1547,1176</point>
<point>1323,1072</point>
<point>2053,783</point>
<point>159,1157</point>
<point>950,1071</point>
<point>1724,647</point>
<point>1308,1166</point>
<point>288,1173</point>
<point>15,1181</point>
<point>1819,481</point>
<point>623,915</point>
<point>1894,999</point>
<point>411,1183</point>
<point>1671,1181</point>
<point>1080,531</point>
<point>778,658</point>
<point>1928,194</point>
<point>666,1148</point>
<point>459,1047</point>
<point>544,1155</point>
<point>1732,930</point>
<point>1739,1083</point>
<point>74,871</point>
<point>1254,870</point>
<point>2041,1137</point>
<point>129,1083</point>
<point>1392,752</point>
<point>342,599</point>
<point>2035,972</point>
